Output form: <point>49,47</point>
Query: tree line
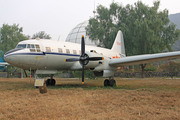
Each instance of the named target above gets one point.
<point>10,35</point>
<point>146,30</point>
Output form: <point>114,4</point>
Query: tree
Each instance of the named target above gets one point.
<point>146,29</point>
<point>10,36</point>
<point>41,35</point>
<point>171,67</point>
<point>1,56</point>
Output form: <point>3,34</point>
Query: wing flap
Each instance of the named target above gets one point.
<point>142,59</point>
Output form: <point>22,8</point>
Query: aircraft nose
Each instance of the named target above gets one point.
<point>11,58</point>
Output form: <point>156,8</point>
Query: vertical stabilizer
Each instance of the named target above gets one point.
<point>119,43</point>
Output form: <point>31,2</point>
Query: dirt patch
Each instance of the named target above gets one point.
<point>155,98</point>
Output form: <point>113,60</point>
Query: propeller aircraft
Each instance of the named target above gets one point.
<point>44,56</point>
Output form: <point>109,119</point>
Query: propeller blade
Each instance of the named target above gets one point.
<point>82,56</point>
<point>82,47</point>
<point>95,58</point>
<point>83,73</point>
<point>14,71</point>
<point>71,59</point>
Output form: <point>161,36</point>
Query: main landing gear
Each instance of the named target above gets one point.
<point>50,82</point>
<point>109,82</point>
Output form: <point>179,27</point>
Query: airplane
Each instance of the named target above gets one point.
<point>3,64</point>
<point>44,56</point>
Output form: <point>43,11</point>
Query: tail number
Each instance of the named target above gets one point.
<point>118,43</point>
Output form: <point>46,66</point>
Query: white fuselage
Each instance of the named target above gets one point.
<point>50,54</point>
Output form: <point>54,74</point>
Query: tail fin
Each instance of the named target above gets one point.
<point>119,43</point>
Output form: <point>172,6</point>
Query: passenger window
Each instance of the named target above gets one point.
<point>38,48</point>
<point>60,50</point>
<point>80,52</point>
<point>67,51</point>
<point>74,52</point>
<point>32,49</point>
<point>48,49</point>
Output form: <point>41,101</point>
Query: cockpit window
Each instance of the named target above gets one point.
<point>21,46</point>
<point>38,48</point>
<point>28,46</point>
<point>32,49</point>
<point>32,46</point>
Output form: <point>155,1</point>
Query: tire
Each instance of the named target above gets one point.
<point>112,83</point>
<point>47,82</point>
<point>106,82</point>
<point>53,82</point>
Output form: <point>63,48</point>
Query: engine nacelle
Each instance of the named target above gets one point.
<point>104,73</point>
<point>92,64</point>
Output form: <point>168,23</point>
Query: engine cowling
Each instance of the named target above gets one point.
<point>92,64</point>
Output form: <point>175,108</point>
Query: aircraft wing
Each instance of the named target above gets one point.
<point>142,59</point>
<point>4,63</point>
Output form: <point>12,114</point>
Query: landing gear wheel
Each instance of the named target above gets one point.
<point>112,82</point>
<point>53,82</point>
<point>106,82</point>
<point>48,82</point>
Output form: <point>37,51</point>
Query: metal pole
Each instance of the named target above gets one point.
<point>21,73</point>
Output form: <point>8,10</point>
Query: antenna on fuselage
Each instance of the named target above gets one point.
<point>59,38</point>
<point>94,11</point>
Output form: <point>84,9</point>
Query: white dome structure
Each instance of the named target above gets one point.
<point>77,32</point>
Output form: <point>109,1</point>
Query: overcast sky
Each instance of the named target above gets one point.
<point>58,17</point>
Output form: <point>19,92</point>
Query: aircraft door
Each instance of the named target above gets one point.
<point>40,57</point>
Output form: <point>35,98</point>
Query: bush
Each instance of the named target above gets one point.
<point>171,67</point>
<point>153,69</point>
<point>150,67</point>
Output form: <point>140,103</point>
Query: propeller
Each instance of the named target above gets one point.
<point>84,58</point>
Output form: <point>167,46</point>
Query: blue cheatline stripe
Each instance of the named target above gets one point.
<point>62,54</point>
<point>24,54</point>
<point>44,53</point>
<point>13,50</point>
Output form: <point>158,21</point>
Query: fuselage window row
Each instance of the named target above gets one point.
<point>36,48</point>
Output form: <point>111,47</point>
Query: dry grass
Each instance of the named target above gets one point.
<point>153,98</point>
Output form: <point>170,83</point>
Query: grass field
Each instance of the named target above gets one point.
<point>150,98</point>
